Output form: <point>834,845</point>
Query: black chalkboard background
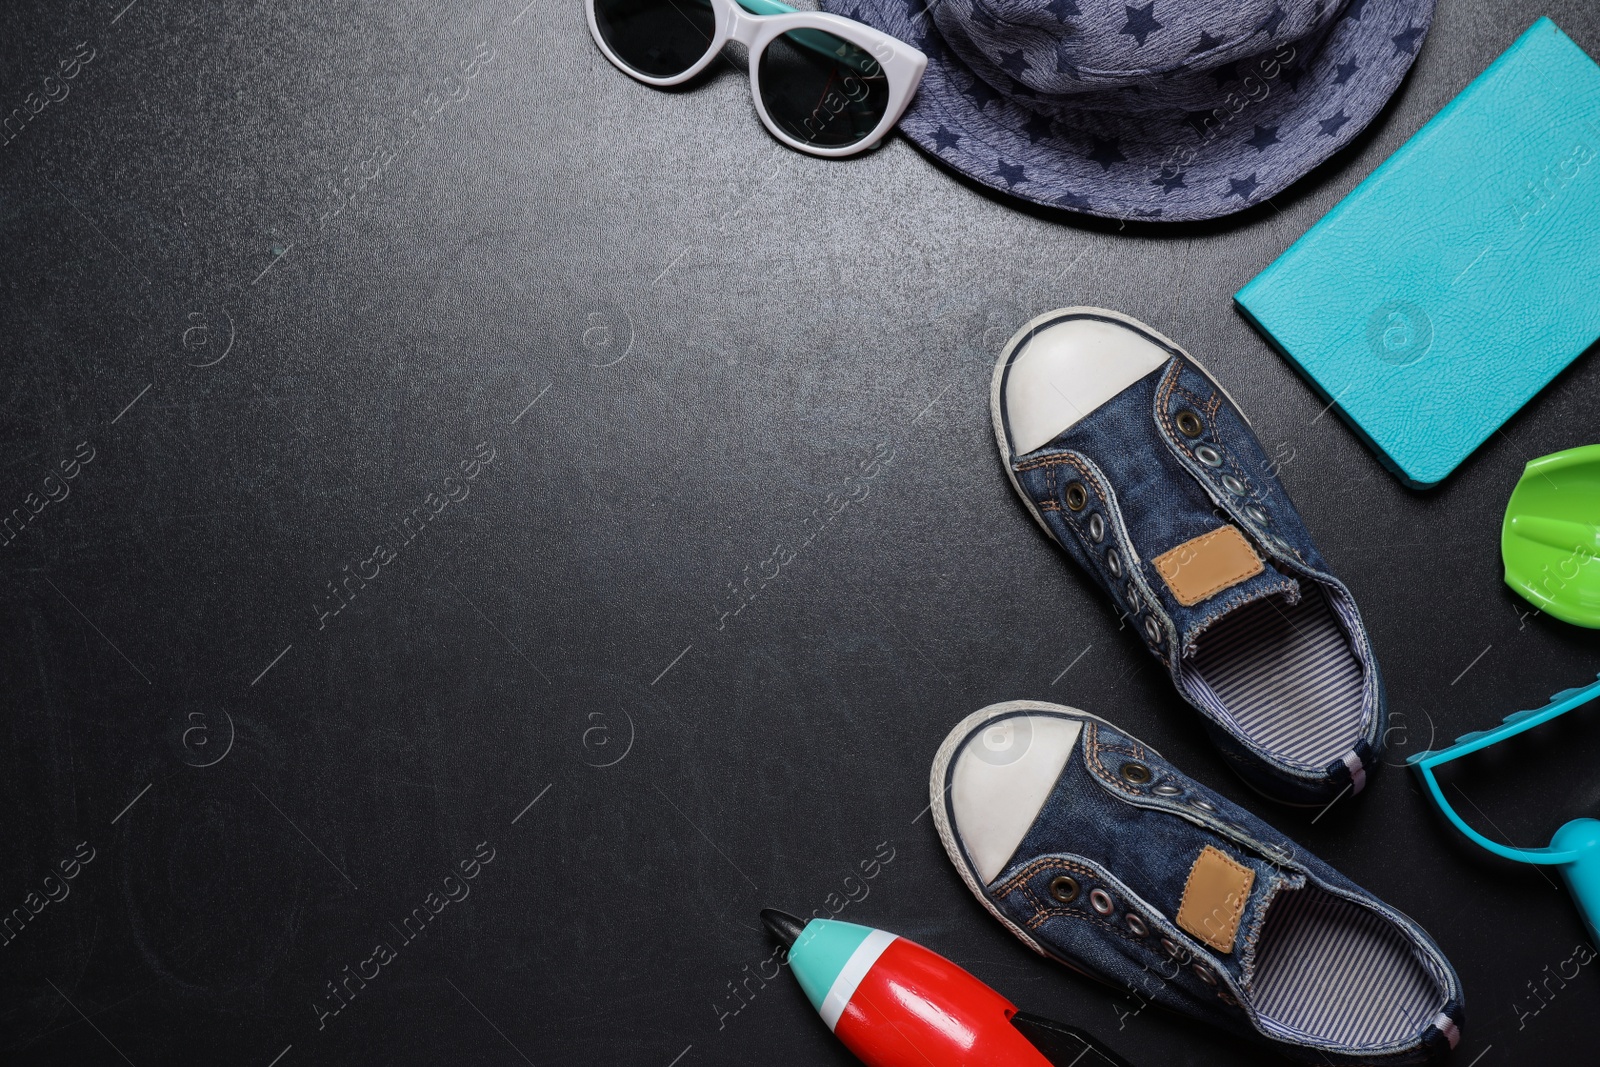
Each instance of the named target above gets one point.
<point>430,294</point>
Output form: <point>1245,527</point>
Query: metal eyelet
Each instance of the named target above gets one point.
<point>1077,496</point>
<point>1167,789</point>
<point>1205,974</point>
<point>1152,629</point>
<point>1134,772</point>
<point>1281,543</point>
<point>1208,455</point>
<point>1256,514</point>
<point>1233,485</point>
<point>1064,888</point>
<point>1169,948</point>
<point>1113,563</point>
<point>1133,599</point>
<point>1097,528</point>
<point>1100,900</point>
<point>1226,998</point>
<point>1136,925</point>
<point>1189,423</point>
<point>1204,805</point>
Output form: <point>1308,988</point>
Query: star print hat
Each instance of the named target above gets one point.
<point>1166,109</point>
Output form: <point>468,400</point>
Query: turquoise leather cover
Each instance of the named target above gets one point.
<point>1463,274</point>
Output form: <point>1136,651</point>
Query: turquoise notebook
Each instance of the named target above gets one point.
<point>1463,274</point>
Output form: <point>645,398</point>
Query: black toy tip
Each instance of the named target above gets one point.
<point>783,926</point>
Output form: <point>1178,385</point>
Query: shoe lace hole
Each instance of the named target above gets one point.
<point>1208,455</point>
<point>1190,424</point>
<point>1064,888</point>
<point>1137,773</point>
<point>1100,900</point>
<point>1077,496</point>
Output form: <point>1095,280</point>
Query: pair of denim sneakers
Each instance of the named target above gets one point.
<point>1087,844</point>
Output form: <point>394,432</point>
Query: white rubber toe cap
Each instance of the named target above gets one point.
<point>1061,373</point>
<point>1000,777</point>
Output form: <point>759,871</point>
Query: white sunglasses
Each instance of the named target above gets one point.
<point>823,84</point>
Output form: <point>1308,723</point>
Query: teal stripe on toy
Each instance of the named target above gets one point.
<point>820,954</point>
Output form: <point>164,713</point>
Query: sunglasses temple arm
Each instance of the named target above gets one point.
<point>822,43</point>
<point>1520,855</point>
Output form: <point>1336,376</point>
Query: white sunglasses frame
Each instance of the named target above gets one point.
<point>902,64</point>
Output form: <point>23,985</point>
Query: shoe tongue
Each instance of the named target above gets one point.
<point>1210,577</point>
<point>1226,896</point>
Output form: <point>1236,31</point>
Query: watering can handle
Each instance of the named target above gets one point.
<point>1582,873</point>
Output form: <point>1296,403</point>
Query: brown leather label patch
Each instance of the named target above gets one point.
<point>1206,565</point>
<point>1214,898</point>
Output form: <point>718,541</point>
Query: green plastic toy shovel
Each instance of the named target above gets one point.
<point>1550,540</point>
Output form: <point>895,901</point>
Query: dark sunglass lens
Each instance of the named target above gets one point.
<point>657,38</point>
<point>822,90</point>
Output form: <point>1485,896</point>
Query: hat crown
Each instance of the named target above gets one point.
<point>1073,47</point>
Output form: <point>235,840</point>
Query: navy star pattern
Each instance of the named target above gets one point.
<point>1037,128</point>
<point>1014,63</point>
<point>1228,72</point>
<point>1331,124</point>
<point>1406,43</point>
<point>1141,22</point>
<point>1106,152</point>
<point>1202,122</point>
<point>1270,24</point>
<point>1010,173</point>
<point>1263,138</point>
<point>1049,133</point>
<point>1063,64</point>
<point>980,92</point>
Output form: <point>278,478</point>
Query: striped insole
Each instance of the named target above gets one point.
<point>1286,674</point>
<point>1332,970</point>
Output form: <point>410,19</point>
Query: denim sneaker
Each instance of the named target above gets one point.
<point>1134,460</point>
<point>1098,853</point>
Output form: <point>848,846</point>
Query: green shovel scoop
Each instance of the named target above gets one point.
<point>1550,540</point>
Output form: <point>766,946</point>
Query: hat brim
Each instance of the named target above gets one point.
<point>1178,168</point>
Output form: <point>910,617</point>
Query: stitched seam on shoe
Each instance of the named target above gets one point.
<point>1043,461</point>
<point>1009,885</point>
<point>1105,775</point>
<point>1072,913</point>
<point>1164,395</point>
<point>1194,400</point>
